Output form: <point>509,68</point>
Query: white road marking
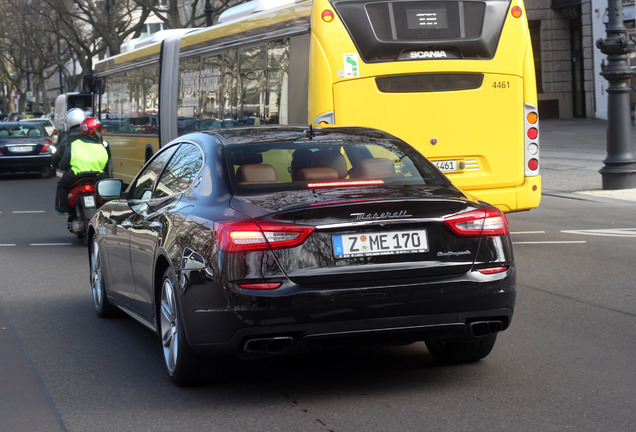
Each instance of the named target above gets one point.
<point>7,244</point>
<point>50,244</point>
<point>550,242</point>
<point>615,232</point>
<point>527,232</point>
<point>611,232</point>
<point>28,211</point>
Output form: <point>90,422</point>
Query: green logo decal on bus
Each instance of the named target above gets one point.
<point>351,65</point>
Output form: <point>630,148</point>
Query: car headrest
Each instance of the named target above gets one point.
<point>373,168</point>
<point>256,173</point>
<point>305,158</point>
<point>317,174</point>
<point>331,159</point>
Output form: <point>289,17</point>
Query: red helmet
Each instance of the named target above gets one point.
<point>93,127</point>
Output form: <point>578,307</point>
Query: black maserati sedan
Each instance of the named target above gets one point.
<point>276,239</point>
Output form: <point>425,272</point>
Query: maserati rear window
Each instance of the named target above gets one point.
<point>326,164</point>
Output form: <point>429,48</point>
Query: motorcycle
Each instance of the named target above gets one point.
<point>82,204</point>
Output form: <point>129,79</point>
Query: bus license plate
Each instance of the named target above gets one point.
<point>446,165</point>
<point>380,243</point>
<point>89,201</point>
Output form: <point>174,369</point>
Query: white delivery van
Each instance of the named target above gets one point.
<point>65,102</point>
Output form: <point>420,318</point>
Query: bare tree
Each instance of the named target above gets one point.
<point>186,14</point>
<point>17,58</point>
<point>90,28</point>
<point>71,34</point>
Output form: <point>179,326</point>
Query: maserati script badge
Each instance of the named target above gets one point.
<point>383,215</point>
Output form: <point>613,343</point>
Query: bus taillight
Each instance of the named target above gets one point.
<point>531,140</point>
<point>516,12</point>
<point>327,16</point>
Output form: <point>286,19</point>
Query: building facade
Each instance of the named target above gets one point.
<point>568,63</point>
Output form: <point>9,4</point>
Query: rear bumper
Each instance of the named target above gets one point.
<point>25,163</point>
<point>524,197</point>
<point>392,314</point>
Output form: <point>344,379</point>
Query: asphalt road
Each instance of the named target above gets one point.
<point>566,363</point>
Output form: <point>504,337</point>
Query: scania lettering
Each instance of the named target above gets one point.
<point>428,54</point>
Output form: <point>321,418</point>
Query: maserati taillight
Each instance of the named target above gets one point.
<point>248,236</point>
<point>489,221</point>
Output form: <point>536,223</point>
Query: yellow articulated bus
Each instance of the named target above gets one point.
<point>453,78</point>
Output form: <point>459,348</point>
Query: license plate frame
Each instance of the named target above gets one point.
<point>449,165</point>
<point>376,243</point>
<point>21,148</point>
<point>89,201</point>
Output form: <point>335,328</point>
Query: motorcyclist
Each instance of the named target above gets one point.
<point>73,119</point>
<point>85,154</point>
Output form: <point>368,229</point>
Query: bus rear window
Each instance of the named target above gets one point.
<point>451,29</point>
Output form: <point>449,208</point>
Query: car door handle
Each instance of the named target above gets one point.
<point>126,224</point>
<point>155,226</point>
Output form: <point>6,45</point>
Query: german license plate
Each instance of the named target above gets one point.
<point>89,201</point>
<point>446,165</point>
<point>21,149</point>
<point>380,243</point>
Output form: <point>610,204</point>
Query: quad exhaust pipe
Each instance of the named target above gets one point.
<point>271,345</point>
<point>484,328</point>
<point>282,344</point>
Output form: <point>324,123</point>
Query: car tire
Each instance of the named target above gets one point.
<point>102,306</point>
<point>450,351</point>
<point>47,172</point>
<point>181,362</point>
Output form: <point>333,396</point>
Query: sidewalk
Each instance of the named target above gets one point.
<point>572,153</point>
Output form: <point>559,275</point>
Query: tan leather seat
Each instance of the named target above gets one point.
<point>375,168</point>
<point>256,173</point>
<point>317,174</point>
<point>331,159</point>
<point>305,158</point>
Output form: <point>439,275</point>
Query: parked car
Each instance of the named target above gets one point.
<point>25,146</point>
<point>267,240</point>
<point>48,126</point>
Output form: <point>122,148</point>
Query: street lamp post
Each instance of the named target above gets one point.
<point>59,68</point>
<point>619,171</point>
<point>208,13</point>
